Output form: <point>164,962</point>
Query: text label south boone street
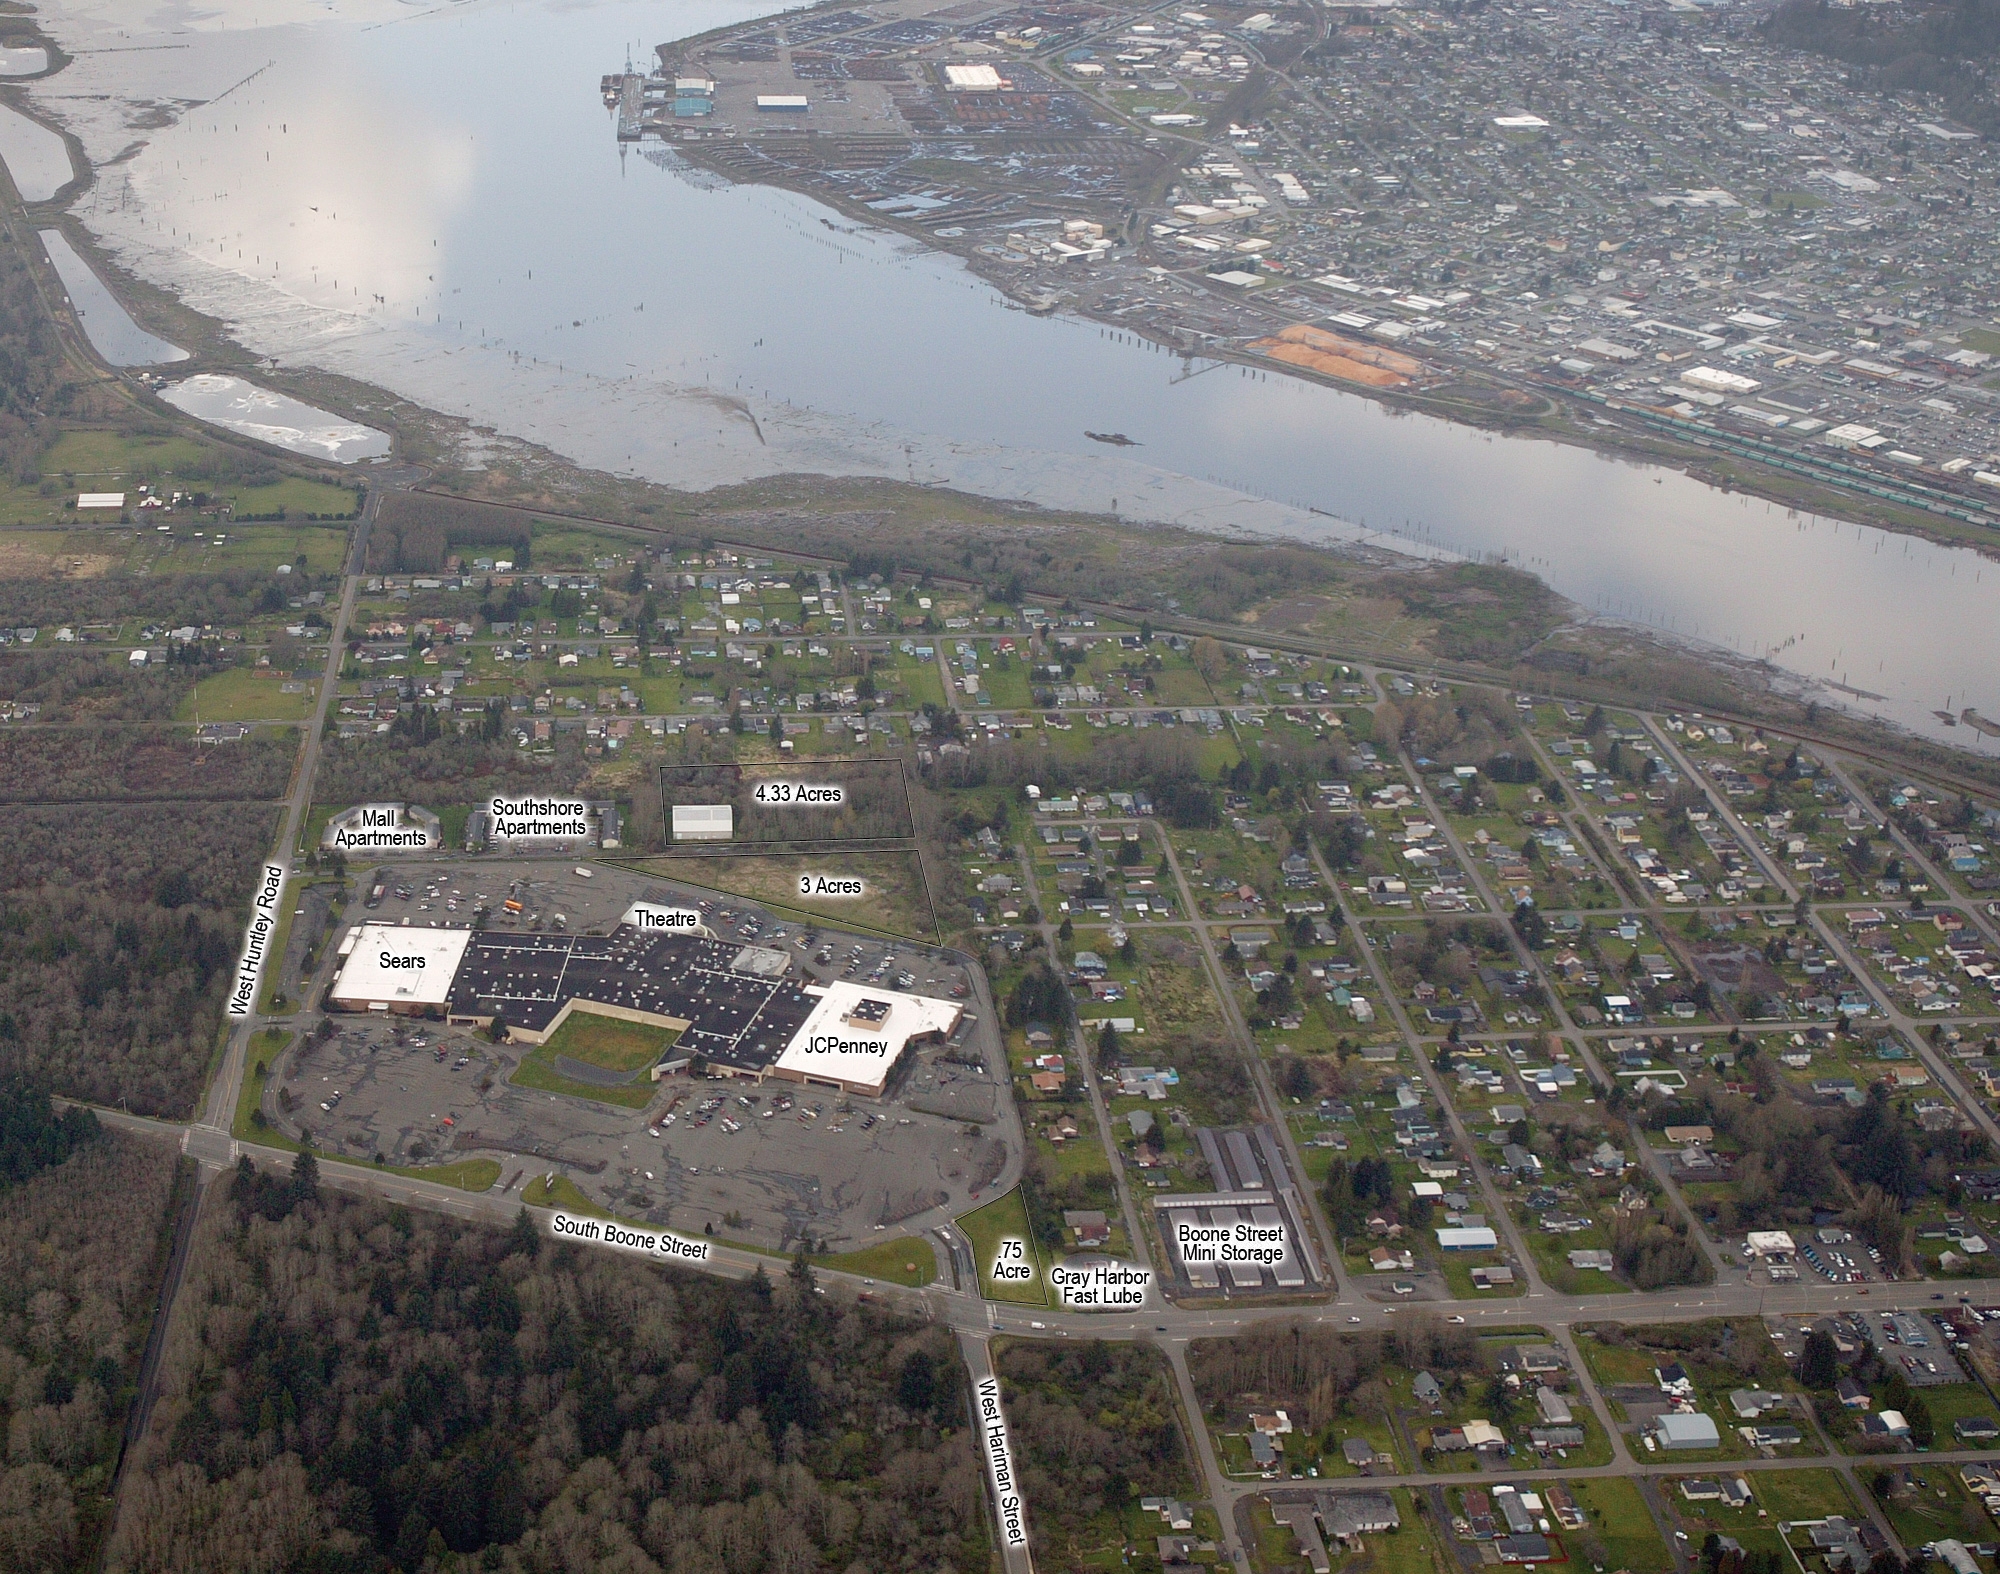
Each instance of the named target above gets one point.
<point>257,940</point>
<point>660,1245</point>
<point>1000,1464</point>
<point>1245,1243</point>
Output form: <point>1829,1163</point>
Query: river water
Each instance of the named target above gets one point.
<point>275,418</point>
<point>35,156</point>
<point>106,323</point>
<point>433,201</point>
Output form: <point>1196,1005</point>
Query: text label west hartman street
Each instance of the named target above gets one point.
<point>1000,1464</point>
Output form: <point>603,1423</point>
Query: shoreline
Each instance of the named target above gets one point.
<point>1556,420</point>
<point>458,447</point>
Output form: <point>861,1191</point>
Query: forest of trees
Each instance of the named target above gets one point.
<point>1094,1430</point>
<point>79,685</point>
<point>127,762</point>
<point>415,531</point>
<point>1322,1377</point>
<point>223,599</point>
<point>140,852</point>
<point>352,1386</point>
<point>82,1249</point>
<point>1871,1161</point>
<point>1941,48</point>
<point>449,769</point>
<point>111,999</point>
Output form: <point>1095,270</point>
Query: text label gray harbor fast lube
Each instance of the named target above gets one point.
<point>660,1245</point>
<point>257,940</point>
<point>1100,1286</point>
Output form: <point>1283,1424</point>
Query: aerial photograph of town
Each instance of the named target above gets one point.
<point>984,786</point>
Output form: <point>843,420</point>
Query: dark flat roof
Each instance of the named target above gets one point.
<point>738,1019</point>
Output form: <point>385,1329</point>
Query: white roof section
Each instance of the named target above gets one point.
<point>861,1054</point>
<point>973,79</point>
<point>703,822</point>
<point>1687,1431</point>
<point>1764,1243</point>
<point>100,500</point>
<point>400,966</point>
<point>1476,1237</point>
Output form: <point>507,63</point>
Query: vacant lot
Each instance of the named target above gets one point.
<point>893,899</point>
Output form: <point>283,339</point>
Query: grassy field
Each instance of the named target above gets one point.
<point>905,1261</point>
<point>609,1043</point>
<point>564,545</point>
<point>1412,1549</point>
<point>1457,1271</point>
<point>1949,1402</point>
<point>324,547</point>
<point>265,1048</point>
<point>893,899</point>
<point>271,1001</point>
<point>1779,1497</point>
<point>1005,1219</point>
<point>111,461</point>
<point>564,1194</point>
<point>465,1174</point>
<point>295,495</point>
<point>245,694</point>
<point>1619,1519</point>
<point>1611,1363</point>
<point>537,1072</point>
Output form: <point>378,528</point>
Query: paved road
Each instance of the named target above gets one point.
<point>954,1303</point>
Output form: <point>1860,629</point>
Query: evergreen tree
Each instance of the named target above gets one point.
<point>1819,1365</point>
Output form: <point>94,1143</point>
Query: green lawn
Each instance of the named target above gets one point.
<point>265,1048</point>
<point>1950,1402</point>
<point>1611,1363</point>
<point>1457,1270</point>
<point>1779,1496</point>
<point>564,1194</point>
<point>1411,1549</point>
<point>296,496</point>
<point>537,1072</point>
<point>465,1174</point>
<point>270,1000</point>
<point>246,694</point>
<point>608,1042</point>
<point>1619,1519</point>
<point>1005,1219</point>
<point>903,1261</point>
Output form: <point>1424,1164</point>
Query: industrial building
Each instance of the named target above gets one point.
<point>1253,1232</point>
